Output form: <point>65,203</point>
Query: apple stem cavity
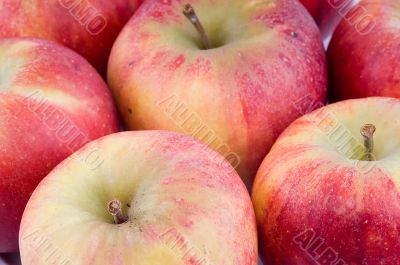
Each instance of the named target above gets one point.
<point>367,131</point>
<point>189,12</point>
<point>115,209</point>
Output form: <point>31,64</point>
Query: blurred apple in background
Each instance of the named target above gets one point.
<point>313,6</point>
<point>364,55</point>
<point>158,198</point>
<point>230,84</point>
<point>51,103</point>
<point>329,190</point>
<point>328,14</point>
<point>89,27</point>
<point>10,259</point>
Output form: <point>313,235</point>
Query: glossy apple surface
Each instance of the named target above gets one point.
<point>88,27</point>
<point>51,103</point>
<point>319,201</point>
<point>364,55</point>
<point>236,97</point>
<point>183,207</point>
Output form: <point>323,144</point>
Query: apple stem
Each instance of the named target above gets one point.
<point>367,131</point>
<point>115,209</point>
<point>189,12</point>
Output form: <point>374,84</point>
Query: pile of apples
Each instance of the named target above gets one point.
<point>200,132</point>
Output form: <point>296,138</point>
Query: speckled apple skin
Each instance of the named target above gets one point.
<point>184,208</point>
<point>306,184</point>
<point>40,81</point>
<point>67,22</point>
<point>365,65</point>
<point>245,91</point>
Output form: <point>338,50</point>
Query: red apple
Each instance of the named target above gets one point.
<point>329,190</point>
<point>171,203</point>
<point>313,6</point>
<point>328,14</point>
<point>234,95</point>
<point>51,103</point>
<point>87,26</point>
<point>365,51</point>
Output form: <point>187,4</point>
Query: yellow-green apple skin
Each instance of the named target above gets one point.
<point>184,208</point>
<point>52,102</point>
<point>236,97</point>
<point>316,202</point>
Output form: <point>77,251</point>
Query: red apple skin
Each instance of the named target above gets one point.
<point>327,14</point>
<point>312,6</point>
<point>63,21</point>
<point>363,65</point>
<point>32,140</point>
<point>304,183</point>
<point>245,92</point>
